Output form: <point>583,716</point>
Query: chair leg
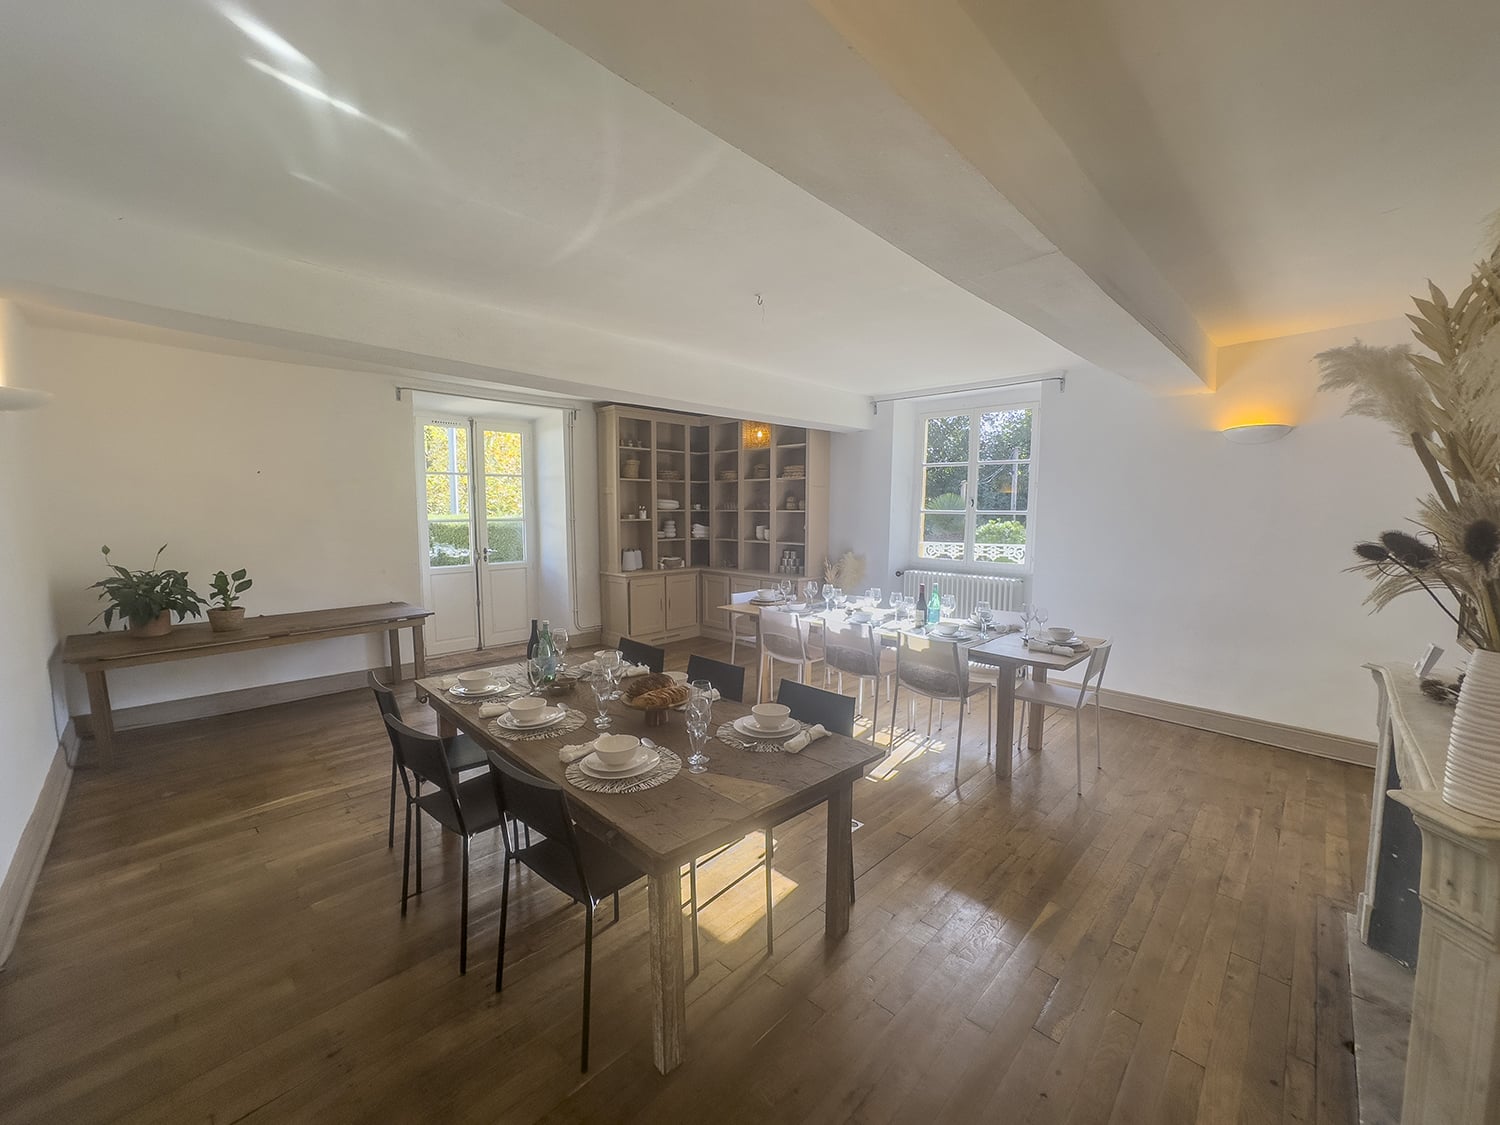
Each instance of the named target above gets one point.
<point>734,635</point>
<point>1078,745</point>
<point>417,827</point>
<point>989,725</point>
<point>895,694</point>
<point>693,907</point>
<point>588,978</point>
<point>504,910</point>
<point>617,906</point>
<point>851,876</point>
<point>406,858</point>
<point>463,914</point>
<point>770,940</point>
<point>1021,734</point>
<point>958,741</point>
<point>1098,753</point>
<point>390,832</point>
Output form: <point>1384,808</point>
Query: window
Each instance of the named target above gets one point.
<point>504,496</point>
<point>976,486</point>
<point>446,449</point>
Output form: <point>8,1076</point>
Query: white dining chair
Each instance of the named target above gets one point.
<point>736,619</point>
<point>786,637</point>
<point>856,650</point>
<point>939,670</point>
<point>1075,699</point>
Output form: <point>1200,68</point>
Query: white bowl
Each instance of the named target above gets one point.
<point>767,595</point>
<point>1060,632</point>
<point>527,708</point>
<point>615,750</point>
<point>678,677</point>
<point>944,630</point>
<point>476,681</point>
<point>771,716</point>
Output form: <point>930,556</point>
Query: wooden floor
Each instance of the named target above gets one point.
<point>216,937</point>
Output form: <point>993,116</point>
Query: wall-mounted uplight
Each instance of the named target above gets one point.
<point>22,398</point>
<point>1256,434</point>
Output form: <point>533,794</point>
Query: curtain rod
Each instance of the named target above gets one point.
<point>1058,377</point>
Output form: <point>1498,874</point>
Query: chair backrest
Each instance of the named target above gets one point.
<point>385,699</point>
<point>638,653</point>
<point>537,803</point>
<point>743,597</point>
<point>729,679</point>
<point>931,666</point>
<point>784,635</point>
<point>814,705</point>
<point>852,648</point>
<point>1093,672</point>
<point>424,756</point>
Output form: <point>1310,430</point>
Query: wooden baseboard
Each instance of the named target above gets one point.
<point>1317,743</point>
<point>31,852</point>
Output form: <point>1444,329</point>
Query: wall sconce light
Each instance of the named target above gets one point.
<point>1256,434</point>
<point>755,435</point>
<point>21,398</point>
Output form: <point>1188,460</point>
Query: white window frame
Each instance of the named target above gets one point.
<point>971,488</point>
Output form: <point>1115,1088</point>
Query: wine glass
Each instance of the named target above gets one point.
<point>610,665</point>
<point>983,614</point>
<point>784,588</point>
<point>700,709</point>
<point>809,591</point>
<point>1040,613</point>
<point>838,596</point>
<point>536,673</point>
<point>1026,621</point>
<point>873,593</point>
<point>600,683</point>
<point>949,602</point>
<point>560,645</point>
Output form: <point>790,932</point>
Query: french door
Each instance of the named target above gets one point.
<point>477,531</point>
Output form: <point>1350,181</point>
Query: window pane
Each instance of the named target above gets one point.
<point>447,495</point>
<point>997,488</point>
<point>436,447</point>
<point>943,489</point>
<point>502,453</point>
<point>1023,488</point>
<point>460,438</point>
<point>1004,435</point>
<point>502,497</point>
<point>448,543</point>
<point>948,438</point>
<point>507,541</point>
<point>943,537</point>
<point>1000,538</point>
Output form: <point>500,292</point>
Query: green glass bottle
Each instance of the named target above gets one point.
<point>934,606</point>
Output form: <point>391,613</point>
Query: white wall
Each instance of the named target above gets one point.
<point>28,726</point>
<point>302,475</point>
<point>1218,568</point>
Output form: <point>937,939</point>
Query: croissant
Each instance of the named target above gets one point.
<point>662,697</point>
<point>639,685</point>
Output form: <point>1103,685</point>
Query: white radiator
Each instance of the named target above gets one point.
<point>969,589</point>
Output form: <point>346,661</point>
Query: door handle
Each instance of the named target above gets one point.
<point>484,553</point>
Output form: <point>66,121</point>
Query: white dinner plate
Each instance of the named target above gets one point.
<point>484,693</point>
<point>747,725</point>
<point>546,719</point>
<point>590,765</point>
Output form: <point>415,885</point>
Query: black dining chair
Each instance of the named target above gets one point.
<point>835,712</point>
<point>581,866</point>
<point>465,808</point>
<point>727,679</point>
<point>463,752</point>
<point>637,653</point>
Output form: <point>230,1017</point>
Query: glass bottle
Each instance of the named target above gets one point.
<point>934,606</point>
<point>531,643</point>
<point>546,653</point>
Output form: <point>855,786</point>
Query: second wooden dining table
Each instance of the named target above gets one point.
<point>663,828</point>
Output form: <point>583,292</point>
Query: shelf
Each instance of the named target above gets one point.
<point>793,445</point>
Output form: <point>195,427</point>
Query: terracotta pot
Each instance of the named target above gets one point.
<point>1471,780</point>
<point>160,626</point>
<point>226,620</point>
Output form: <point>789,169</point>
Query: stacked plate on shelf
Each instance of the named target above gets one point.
<point>700,531</point>
<point>668,505</point>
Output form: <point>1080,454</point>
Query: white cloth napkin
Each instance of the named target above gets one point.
<point>491,710</point>
<point>800,742</point>
<point>571,754</point>
<point>632,670</point>
<point>1059,650</point>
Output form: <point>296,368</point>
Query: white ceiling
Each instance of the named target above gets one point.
<point>1288,165</point>
<point>472,153</point>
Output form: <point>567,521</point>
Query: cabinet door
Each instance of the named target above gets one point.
<point>715,594</point>
<point>648,606</point>
<point>682,601</point>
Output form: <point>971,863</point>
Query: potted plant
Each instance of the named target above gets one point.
<point>1446,405</point>
<point>146,599</point>
<point>225,616</point>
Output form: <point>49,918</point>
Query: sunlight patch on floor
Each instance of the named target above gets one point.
<point>732,890</point>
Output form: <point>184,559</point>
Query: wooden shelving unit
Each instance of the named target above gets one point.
<point>762,493</point>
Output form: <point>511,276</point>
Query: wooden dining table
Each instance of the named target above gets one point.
<point>1006,651</point>
<point>663,828</point>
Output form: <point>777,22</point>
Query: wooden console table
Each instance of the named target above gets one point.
<point>1453,1054</point>
<point>97,654</point>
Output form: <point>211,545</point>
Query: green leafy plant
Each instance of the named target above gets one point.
<point>141,596</point>
<point>227,588</point>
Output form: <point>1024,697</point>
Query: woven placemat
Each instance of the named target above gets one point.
<point>731,737</point>
<point>570,722</point>
<point>666,769</point>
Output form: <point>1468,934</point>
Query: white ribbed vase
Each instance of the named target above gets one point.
<point>1471,781</point>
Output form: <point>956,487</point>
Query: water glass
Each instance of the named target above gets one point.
<point>698,738</point>
<point>560,644</point>
<point>873,594</point>
<point>950,606</point>
<point>600,683</point>
<point>983,614</point>
<point>536,673</point>
<point>809,592</point>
